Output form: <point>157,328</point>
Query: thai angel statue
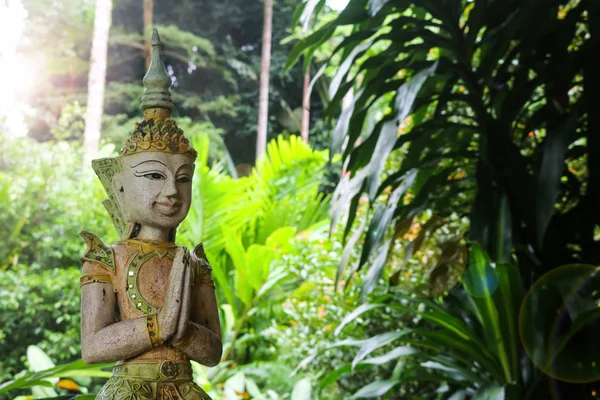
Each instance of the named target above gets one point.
<point>145,302</point>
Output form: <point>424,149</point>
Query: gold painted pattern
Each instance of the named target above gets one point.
<point>161,135</point>
<point>153,330</point>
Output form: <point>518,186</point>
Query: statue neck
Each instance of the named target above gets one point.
<point>153,234</point>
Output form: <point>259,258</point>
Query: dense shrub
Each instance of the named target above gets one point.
<point>38,307</point>
<point>46,199</point>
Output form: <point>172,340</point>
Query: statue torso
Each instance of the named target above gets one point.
<point>141,276</point>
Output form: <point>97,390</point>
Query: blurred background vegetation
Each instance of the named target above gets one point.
<point>452,161</point>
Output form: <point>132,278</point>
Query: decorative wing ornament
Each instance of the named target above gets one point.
<point>98,252</point>
<point>106,169</point>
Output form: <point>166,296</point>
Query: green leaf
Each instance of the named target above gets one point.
<point>39,361</point>
<point>344,67</point>
<point>479,264</point>
<point>229,320</point>
<point>363,308</point>
<point>313,40</point>
<point>377,342</point>
<point>383,148</point>
<point>350,342</point>
<point>376,5</point>
<point>553,164</point>
<point>454,370</point>
<point>383,217</point>
<point>459,395</point>
<point>298,12</point>
<point>276,276</point>
<point>259,259</point>
<point>490,393</point>
<point>444,319</point>
<point>92,373</point>
<point>302,390</point>
<point>235,249</point>
<point>334,375</point>
<point>280,239</point>
<point>372,277</point>
<point>448,343</point>
<point>341,126</point>
<point>394,354</point>
<point>374,389</point>
<point>581,322</point>
<point>508,299</point>
<point>40,378</point>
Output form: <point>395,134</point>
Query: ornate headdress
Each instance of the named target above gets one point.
<point>157,133</point>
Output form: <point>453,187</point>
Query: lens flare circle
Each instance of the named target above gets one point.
<point>480,280</point>
<point>559,323</point>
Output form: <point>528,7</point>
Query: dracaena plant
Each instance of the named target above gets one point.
<point>482,109</point>
<point>483,101</point>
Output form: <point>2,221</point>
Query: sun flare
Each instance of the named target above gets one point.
<point>19,72</point>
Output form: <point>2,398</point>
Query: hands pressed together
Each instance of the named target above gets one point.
<point>174,315</point>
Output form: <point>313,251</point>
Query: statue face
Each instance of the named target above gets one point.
<point>156,188</point>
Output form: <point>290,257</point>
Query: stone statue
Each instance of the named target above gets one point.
<point>146,302</point>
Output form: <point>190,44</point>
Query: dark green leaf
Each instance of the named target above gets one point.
<point>555,146</point>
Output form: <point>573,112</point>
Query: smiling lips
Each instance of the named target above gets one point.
<point>168,208</point>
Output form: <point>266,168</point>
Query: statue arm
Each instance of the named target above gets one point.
<point>103,339</point>
<point>204,328</point>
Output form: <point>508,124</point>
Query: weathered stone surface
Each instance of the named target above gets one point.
<point>145,301</point>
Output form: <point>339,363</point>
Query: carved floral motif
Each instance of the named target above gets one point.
<point>160,135</point>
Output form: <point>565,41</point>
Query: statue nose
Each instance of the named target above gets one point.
<point>170,188</point>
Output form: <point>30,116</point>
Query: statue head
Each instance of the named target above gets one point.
<point>150,183</point>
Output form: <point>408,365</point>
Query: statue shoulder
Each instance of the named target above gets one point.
<point>97,252</point>
<point>200,262</point>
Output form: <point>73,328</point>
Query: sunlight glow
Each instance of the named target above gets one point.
<point>18,73</point>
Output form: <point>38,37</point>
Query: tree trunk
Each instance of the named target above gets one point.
<point>148,17</point>
<point>97,77</point>
<point>263,106</point>
<point>305,127</point>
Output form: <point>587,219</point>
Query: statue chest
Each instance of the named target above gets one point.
<point>142,278</point>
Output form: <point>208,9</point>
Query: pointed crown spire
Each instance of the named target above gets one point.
<point>156,81</point>
<point>157,132</point>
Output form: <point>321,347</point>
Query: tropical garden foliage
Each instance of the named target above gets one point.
<point>464,162</point>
